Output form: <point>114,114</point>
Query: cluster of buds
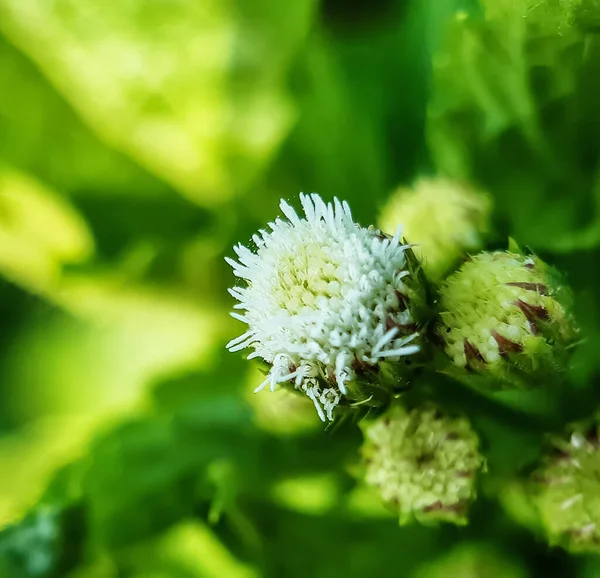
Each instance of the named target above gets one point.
<point>341,314</point>
<point>566,488</point>
<point>423,462</point>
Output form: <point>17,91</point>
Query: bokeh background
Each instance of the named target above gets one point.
<point>139,140</point>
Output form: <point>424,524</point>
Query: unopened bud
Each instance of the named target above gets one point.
<point>442,218</point>
<point>423,462</point>
<point>567,490</point>
<point>506,315</point>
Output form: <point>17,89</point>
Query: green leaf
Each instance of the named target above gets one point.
<point>42,136</point>
<point>148,61</point>
<point>142,480</point>
<point>40,233</point>
<point>512,109</point>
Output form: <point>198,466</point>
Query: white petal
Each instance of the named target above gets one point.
<point>263,384</point>
<point>400,352</point>
<point>289,212</point>
<point>387,337</point>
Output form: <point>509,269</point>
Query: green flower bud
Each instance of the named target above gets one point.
<point>423,462</point>
<point>472,561</point>
<point>505,315</point>
<point>567,490</point>
<point>444,219</point>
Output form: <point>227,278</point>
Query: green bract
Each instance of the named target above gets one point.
<point>423,462</point>
<point>567,490</point>
<point>506,315</point>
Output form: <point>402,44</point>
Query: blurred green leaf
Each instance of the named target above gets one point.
<point>42,136</point>
<point>141,482</point>
<point>39,233</point>
<point>363,102</point>
<point>169,81</point>
<point>512,109</point>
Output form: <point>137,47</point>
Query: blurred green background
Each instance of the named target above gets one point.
<point>139,140</point>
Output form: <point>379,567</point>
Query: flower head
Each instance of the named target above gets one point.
<point>567,490</point>
<point>504,314</point>
<point>443,218</point>
<point>324,299</point>
<point>423,462</point>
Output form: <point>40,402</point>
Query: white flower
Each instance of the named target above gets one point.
<point>323,296</point>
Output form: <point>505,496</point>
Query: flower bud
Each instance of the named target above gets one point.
<point>567,490</point>
<point>472,560</point>
<point>330,306</point>
<point>423,462</point>
<point>443,218</point>
<point>505,315</point>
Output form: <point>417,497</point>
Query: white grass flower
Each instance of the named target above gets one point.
<point>322,297</point>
